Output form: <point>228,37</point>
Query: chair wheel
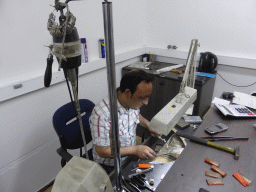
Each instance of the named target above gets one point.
<point>63,162</point>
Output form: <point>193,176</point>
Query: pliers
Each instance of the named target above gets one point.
<point>127,185</point>
<point>142,183</point>
<point>132,184</point>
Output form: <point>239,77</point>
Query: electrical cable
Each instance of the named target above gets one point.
<point>235,85</point>
<point>77,80</point>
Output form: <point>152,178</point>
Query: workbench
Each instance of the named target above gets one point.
<point>188,172</point>
<point>130,163</point>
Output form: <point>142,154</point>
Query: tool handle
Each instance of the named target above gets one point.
<point>209,143</point>
<point>222,147</point>
<point>236,138</point>
<point>210,137</point>
<point>227,139</point>
<point>48,72</point>
<point>144,166</point>
<point>192,138</point>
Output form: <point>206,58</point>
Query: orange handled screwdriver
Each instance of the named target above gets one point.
<point>145,166</point>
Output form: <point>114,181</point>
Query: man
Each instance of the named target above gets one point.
<point>134,91</point>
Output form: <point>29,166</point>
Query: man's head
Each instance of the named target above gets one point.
<point>136,86</point>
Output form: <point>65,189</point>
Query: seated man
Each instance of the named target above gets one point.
<point>134,91</point>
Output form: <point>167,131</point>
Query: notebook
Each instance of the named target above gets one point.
<point>235,110</point>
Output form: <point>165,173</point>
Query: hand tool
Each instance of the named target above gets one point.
<point>236,151</point>
<point>131,183</point>
<point>135,186</point>
<point>124,184</point>
<point>211,138</point>
<point>159,136</point>
<point>145,166</point>
<point>135,168</point>
<point>144,171</point>
<point>142,183</point>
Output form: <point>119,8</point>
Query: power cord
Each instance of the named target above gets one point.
<point>236,85</point>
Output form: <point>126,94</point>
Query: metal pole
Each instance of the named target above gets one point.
<point>110,60</point>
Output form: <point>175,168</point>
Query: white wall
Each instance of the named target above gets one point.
<point>24,33</point>
<point>241,77</point>
<point>28,142</point>
<point>224,27</point>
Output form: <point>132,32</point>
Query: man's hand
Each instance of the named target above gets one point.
<point>153,132</point>
<point>144,152</point>
<point>144,123</point>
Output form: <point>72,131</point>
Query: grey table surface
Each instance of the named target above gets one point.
<point>188,172</point>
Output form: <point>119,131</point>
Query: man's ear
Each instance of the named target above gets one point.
<point>128,93</point>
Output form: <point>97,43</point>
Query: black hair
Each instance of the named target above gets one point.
<point>131,80</point>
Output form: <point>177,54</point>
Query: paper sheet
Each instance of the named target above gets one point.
<point>140,65</point>
<point>220,101</point>
<point>244,99</point>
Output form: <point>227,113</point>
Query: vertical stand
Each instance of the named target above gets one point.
<point>110,60</point>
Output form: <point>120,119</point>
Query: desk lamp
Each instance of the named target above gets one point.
<point>165,120</point>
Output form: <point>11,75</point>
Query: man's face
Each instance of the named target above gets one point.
<point>140,96</point>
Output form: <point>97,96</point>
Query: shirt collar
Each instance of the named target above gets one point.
<point>121,109</point>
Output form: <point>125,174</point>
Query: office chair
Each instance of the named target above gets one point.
<point>67,128</point>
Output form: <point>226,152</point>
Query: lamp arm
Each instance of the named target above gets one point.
<point>190,71</point>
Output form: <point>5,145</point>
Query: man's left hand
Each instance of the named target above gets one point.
<point>153,132</point>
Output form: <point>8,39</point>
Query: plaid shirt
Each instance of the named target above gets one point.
<point>100,123</point>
